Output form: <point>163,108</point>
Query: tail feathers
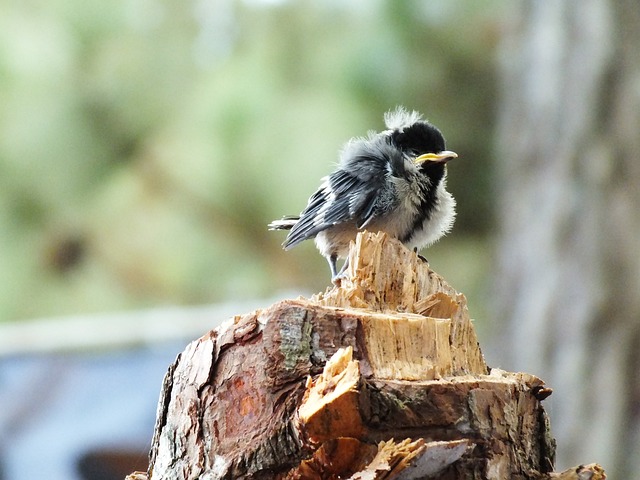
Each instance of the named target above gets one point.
<point>286,223</point>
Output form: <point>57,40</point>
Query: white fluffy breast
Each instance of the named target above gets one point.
<point>439,222</point>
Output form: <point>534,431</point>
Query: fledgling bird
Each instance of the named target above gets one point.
<point>393,181</point>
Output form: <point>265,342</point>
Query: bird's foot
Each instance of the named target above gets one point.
<point>336,278</point>
<point>415,250</point>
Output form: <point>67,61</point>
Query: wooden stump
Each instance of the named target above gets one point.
<point>380,378</point>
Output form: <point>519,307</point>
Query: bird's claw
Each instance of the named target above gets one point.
<point>337,279</point>
<point>415,250</point>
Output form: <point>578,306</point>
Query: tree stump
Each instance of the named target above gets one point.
<point>381,377</point>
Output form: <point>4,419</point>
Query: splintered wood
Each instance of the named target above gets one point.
<point>425,331</point>
<point>379,378</point>
<point>330,406</point>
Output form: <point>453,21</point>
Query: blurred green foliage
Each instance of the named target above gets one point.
<point>145,144</point>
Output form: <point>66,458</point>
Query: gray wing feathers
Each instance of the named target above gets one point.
<point>348,194</point>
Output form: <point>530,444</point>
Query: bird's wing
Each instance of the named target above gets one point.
<point>344,196</point>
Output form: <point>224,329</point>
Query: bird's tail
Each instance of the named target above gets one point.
<point>286,223</point>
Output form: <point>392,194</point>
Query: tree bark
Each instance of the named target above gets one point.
<point>569,262</point>
<point>379,378</point>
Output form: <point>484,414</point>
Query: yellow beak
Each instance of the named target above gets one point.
<point>441,157</point>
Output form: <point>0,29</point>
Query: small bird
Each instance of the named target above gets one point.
<point>393,181</point>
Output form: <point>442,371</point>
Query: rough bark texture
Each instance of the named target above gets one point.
<point>569,249</point>
<point>380,378</point>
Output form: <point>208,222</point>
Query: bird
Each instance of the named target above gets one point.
<point>392,181</point>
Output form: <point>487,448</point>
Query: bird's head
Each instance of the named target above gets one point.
<point>419,141</point>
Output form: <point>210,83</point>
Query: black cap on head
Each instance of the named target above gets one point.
<point>419,138</point>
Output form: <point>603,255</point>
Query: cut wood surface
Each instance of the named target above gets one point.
<point>379,378</point>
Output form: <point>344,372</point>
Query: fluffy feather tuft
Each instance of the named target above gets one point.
<point>400,118</point>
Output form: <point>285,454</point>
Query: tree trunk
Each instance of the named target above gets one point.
<point>379,378</point>
<point>569,250</point>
